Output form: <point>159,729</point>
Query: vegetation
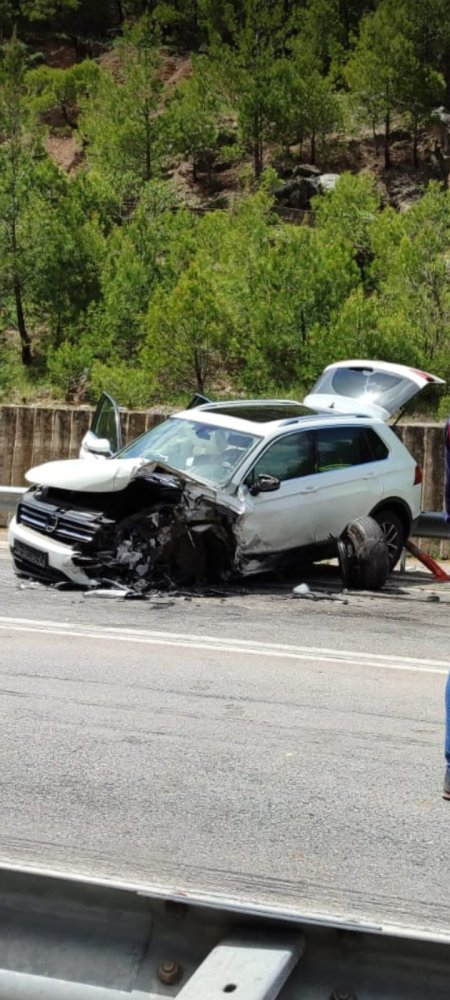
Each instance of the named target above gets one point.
<point>108,276</point>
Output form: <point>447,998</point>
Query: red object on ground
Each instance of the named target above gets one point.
<point>439,574</point>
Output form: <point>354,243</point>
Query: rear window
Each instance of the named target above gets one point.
<point>341,447</point>
<point>367,385</point>
<point>359,382</point>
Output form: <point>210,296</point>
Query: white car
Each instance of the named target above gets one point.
<point>228,488</point>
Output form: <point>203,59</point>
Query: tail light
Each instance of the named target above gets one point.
<point>418,475</point>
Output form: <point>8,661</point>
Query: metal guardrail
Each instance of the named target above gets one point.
<point>69,938</point>
<point>432,524</point>
<point>9,498</point>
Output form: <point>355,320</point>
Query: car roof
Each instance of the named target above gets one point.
<point>251,416</point>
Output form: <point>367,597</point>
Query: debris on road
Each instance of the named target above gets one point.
<point>114,593</point>
<point>302,590</point>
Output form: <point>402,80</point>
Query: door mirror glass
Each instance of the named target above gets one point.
<point>264,484</point>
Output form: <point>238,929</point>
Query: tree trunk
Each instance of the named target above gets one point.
<point>313,148</point>
<point>443,164</point>
<point>258,158</point>
<point>148,154</point>
<point>375,137</point>
<point>198,365</point>
<point>21,325</point>
<point>415,141</point>
<point>68,118</point>
<point>345,22</point>
<point>387,141</point>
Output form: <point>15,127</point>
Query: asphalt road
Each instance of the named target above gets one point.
<point>250,745</point>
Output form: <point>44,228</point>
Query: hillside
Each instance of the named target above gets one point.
<point>220,196</point>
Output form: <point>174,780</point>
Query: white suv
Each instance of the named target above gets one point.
<point>229,488</point>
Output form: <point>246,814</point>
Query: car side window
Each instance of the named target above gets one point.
<point>378,447</point>
<point>287,458</point>
<point>343,447</point>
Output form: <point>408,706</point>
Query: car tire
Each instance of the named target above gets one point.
<point>363,555</point>
<point>394,533</point>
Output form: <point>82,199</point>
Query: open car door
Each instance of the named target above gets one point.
<point>104,437</point>
<point>368,388</point>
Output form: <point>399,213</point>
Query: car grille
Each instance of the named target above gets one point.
<point>63,524</point>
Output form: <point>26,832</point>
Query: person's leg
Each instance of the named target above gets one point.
<point>446,792</point>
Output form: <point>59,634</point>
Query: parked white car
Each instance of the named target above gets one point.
<point>228,488</point>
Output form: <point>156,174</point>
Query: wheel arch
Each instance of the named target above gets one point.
<point>397,506</point>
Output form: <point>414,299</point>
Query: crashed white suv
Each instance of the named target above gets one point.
<point>225,489</point>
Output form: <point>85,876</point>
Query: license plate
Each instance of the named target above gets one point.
<point>34,556</point>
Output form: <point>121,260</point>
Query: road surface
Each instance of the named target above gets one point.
<point>254,745</point>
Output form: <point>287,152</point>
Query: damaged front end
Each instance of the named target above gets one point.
<point>160,531</point>
<point>180,539</point>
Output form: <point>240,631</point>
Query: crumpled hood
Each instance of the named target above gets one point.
<point>109,476</point>
<point>115,474</point>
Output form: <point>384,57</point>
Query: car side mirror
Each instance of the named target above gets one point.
<point>96,446</point>
<point>264,484</point>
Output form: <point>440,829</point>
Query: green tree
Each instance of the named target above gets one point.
<point>372,71</point>
<point>328,26</point>
<point>246,71</point>
<point>144,255</point>
<point>349,215</point>
<point>121,123</point>
<point>386,73</point>
<point>191,122</point>
<point>302,280</point>
<point>309,108</point>
<point>412,266</point>
<point>18,166</point>
<point>125,287</point>
<point>429,29</point>
<point>235,244</point>
<point>62,90</point>
<point>221,18</point>
<point>420,88</point>
<point>49,250</point>
<point>65,279</point>
<point>277,289</point>
<point>19,12</point>
<point>185,332</point>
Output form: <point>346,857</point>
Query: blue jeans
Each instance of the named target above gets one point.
<point>447,722</point>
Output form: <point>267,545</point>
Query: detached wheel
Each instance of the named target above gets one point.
<point>363,555</point>
<point>393,531</point>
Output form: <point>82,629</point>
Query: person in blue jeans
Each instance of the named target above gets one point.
<point>447,467</point>
<point>446,792</point>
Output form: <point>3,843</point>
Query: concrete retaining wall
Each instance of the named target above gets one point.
<point>31,435</point>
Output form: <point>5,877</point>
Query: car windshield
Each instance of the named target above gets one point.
<point>202,450</point>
